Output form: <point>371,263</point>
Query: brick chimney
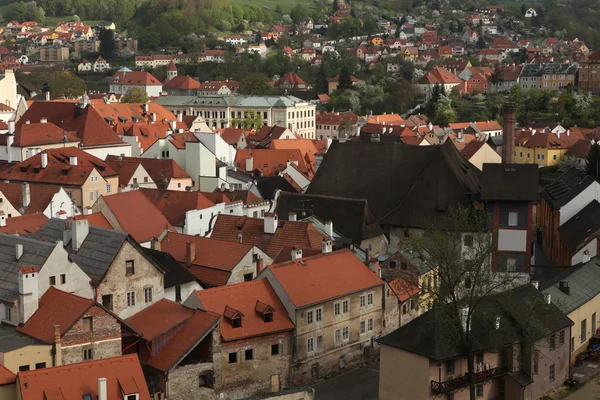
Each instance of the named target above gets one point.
<point>508,138</point>
<point>190,253</point>
<point>57,347</point>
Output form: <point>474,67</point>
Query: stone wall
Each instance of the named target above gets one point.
<point>184,383</point>
<point>391,311</point>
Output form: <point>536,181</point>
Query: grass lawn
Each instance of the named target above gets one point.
<point>52,21</point>
<point>286,5</point>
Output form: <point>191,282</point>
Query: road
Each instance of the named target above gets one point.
<point>358,384</point>
<point>589,391</point>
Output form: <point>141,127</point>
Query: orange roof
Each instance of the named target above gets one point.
<point>288,234</point>
<point>178,139</point>
<point>323,277</point>
<point>40,196</point>
<point>439,75</point>
<point>336,118</point>
<point>134,78</point>
<point>182,82</point>
<point>385,118</point>
<point>96,219</point>
<point>471,148</point>
<point>245,196</point>
<point>306,147</point>
<point>132,112</point>
<point>271,161</point>
<point>59,169</point>
<point>147,133</point>
<point>231,135</point>
<point>160,170</point>
<point>6,377</point>
<point>137,215</point>
<point>24,224</point>
<point>55,308</point>
<point>291,78</point>
<point>159,318</point>
<point>171,66</point>
<point>123,376</point>
<point>38,134</point>
<point>249,299</point>
<point>215,259</point>
<point>173,204</point>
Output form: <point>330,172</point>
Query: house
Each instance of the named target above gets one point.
<point>419,360</point>
<point>22,225</point>
<point>100,65</point>
<point>223,151</point>
<point>479,153</point>
<point>587,79</point>
<point>544,147</point>
<point>351,309</point>
<point>182,86</point>
<point>510,78</point>
<point>123,81</point>
<point>531,76</point>
<point>79,328</point>
<point>132,176</point>
<point>216,88</point>
<point>332,125</point>
<point>491,55</point>
<point>470,36</point>
<point>115,378</point>
<point>270,162</point>
<point>21,353</point>
<point>253,205</point>
<point>215,262</point>
<point>85,66</point>
<point>28,199</point>
<point>266,134</point>
<point>439,77</point>
<point>261,351</point>
<point>164,173</point>
<point>82,176</point>
<point>291,81</point>
<point>179,282</point>
<point>235,137</point>
<point>335,81</point>
<point>530,13</point>
<point>556,76</point>
<point>142,135</point>
<point>567,219</point>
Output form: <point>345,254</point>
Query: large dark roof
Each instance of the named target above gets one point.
<point>580,227</point>
<point>566,187</point>
<point>353,218</point>
<point>405,185</point>
<point>175,273</point>
<point>513,182</point>
<point>11,340</point>
<point>429,335</point>
<point>268,186</point>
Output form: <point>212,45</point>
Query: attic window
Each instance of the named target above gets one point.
<point>268,317</point>
<point>236,322</point>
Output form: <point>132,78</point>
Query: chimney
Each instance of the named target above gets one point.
<point>249,164</point>
<point>87,210</point>
<point>153,117</point>
<point>48,96</point>
<point>564,287</point>
<point>190,253</point>
<point>28,293</point>
<point>26,195</point>
<point>296,253</point>
<point>2,219</point>
<point>292,216</point>
<point>44,160</point>
<point>497,323</point>
<point>145,107</point>
<point>102,392</point>
<point>240,238</point>
<point>73,160</point>
<point>260,265</point>
<point>57,347</point>
<point>547,298</point>
<point>536,284</point>
<point>326,246</point>
<point>173,126</point>
<point>155,244</point>
<point>43,120</point>
<point>180,117</point>
<point>270,223</point>
<point>508,139</point>
<point>27,122</point>
<point>18,251</point>
<point>586,254</point>
<point>10,138</point>
<point>329,228</point>
<point>79,231</point>
<point>11,127</point>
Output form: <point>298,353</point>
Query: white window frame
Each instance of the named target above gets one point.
<point>148,294</point>
<point>131,300</point>
<point>512,266</point>
<point>370,298</point>
<point>346,306</point>
<point>309,317</point>
<point>513,218</point>
<point>345,334</point>
<point>319,314</point>
<point>310,345</point>
<point>363,301</point>
<point>337,308</point>
<point>363,327</point>
<point>370,325</point>
<point>337,336</point>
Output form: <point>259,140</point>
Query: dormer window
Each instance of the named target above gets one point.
<point>236,322</point>
<point>268,317</point>
<point>234,316</point>
<point>265,310</point>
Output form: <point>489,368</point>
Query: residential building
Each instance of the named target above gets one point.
<point>85,66</point>
<point>439,77</point>
<point>226,111</point>
<point>510,78</point>
<point>116,378</point>
<point>253,205</point>
<point>588,75</point>
<point>28,199</point>
<point>479,153</point>
<point>161,173</point>
<point>100,65</point>
<point>182,86</point>
<point>556,76</point>
<point>335,323</point>
<point>179,281</point>
<point>531,77</point>
<point>132,176</point>
<point>271,162</point>
<point>543,147</point>
<point>235,137</point>
<point>332,125</point>
<point>215,262</point>
<point>54,53</point>
<point>420,360</point>
<point>86,46</point>
<point>254,339</point>
<point>123,81</point>
<point>218,88</point>
<point>266,134</point>
<point>22,353</point>
<point>335,81</point>
<point>23,224</point>
<point>223,151</point>
<point>291,81</point>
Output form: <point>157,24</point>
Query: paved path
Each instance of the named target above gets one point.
<point>358,384</point>
<point>589,391</point>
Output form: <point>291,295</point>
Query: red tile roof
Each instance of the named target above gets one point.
<point>137,215</point>
<point>231,135</point>
<point>439,76</point>
<point>38,134</point>
<point>24,224</point>
<point>134,78</point>
<point>146,133</point>
<point>40,196</point>
<point>245,196</point>
<point>323,277</point>
<point>6,377</point>
<point>215,86</point>
<point>215,259</point>
<point>160,170</point>
<point>336,118</point>
<point>96,219</point>
<point>123,376</point>
<point>182,82</point>
<point>128,112</point>
<point>471,148</point>
<point>174,204</point>
<point>179,139</point>
<point>171,66</point>
<point>59,169</point>
<point>244,297</point>
<point>292,79</point>
<point>271,161</point>
<point>159,318</point>
<point>309,148</point>
<point>288,234</point>
<point>55,308</point>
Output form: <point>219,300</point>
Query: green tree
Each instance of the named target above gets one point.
<point>255,84</point>
<point>298,13</point>
<point>237,12</point>
<point>66,85</point>
<point>444,113</point>
<point>523,9</point>
<point>322,83</point>
<point>593,161</point>
<point>107,43</point>
<point>480,42</point>
<point>135,95</point>
<point>498,75</point>
<point>345,80</point>
<point>250,120</point>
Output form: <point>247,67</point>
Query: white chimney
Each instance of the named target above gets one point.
<point>79,231</point>
<point>326,246</point>
<point>153,117</point>
<point>180,117</point>
<point>43,120</point>
<point>26,195</point>
<point>27,122</point>
<point>102,391</point>
<point>497,324</point>
<point>145,107</point>
<point>173,126</point>
<point>296,253</point>
<point>270,223</point>
<point>18,251</point>
<point>535,284</point>
<point>11,127</point>
<point>329,228</point>
<point>28,292</point>
<point>2,219</point>
<point>87,210</point>
<point>292,216</point>
<point>547,298</point>
<point>44,160</point>
<point>10,138</point>
<point>249,164</point>
<point>73,160</point>
<point>48,96</point>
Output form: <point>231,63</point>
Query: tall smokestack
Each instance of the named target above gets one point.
<point>508,140</point>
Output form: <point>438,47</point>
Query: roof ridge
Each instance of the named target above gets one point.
<point>79,365</point>
<point>310,258</point>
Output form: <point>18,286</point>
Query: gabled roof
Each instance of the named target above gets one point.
<point>6,376</point>
<point>134,78</point>
<point>471,149</point>
<point>147,133</point>
<point>123,376</point>
<point>292,79</point>
<point>266,134</point>
<point>182,82</point>
<point>581,227</point>
<point>244,297</point>
<point>39,199</point>
<point>131,112</point>
<point>271,161</point>
<point>404,289</point>
<point>160,170</point>
<point>24,224</point>
<point>580,149</point>
<point>511,182</point>
<point>566,187</point>
<point>288,233</point>
<point>320,278</point>
<point>40,134</point>
<point>175,273</point>
<point>246,196</point>
<point>439,76</point>
<point>306,146</point>
<point>95,219</point>
<point>173,204</point>
<point>231,135</point>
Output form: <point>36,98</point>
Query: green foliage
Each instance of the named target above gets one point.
<point>66,85</point>
<point>255,84</point>
<point>107,43</point>
<point>250,120</point>
<point>135,95</point>
<point>22,11</point>
<point>322,83</point>
<point>298,13</point>
<point>444,113</point>
<point>345,81</point>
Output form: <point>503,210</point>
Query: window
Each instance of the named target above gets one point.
<point>309,317</point>
<point>468,239</point>
<point>91,195</point>
<point>553,341</point>
<point>108,188</point>
<point>23,368</point>
<point>318,314</point>
<point>310,345</point>
<point>319,343</point>
<point>129,267</point>
<point>336,309</point>
<point>370,325</point>
<point>232,358</point>
<point>450,367</point>
<point>362,327</point>
<point>561,335</point>
<point>403,265</point>
<point>511,264</point>
<point>554,157</point>
<point>52,280</point>
<point>404,309</point>
<point>275,349</point>
<point>249,354</point>
<point>87,354</point>
<point>236,322</point>
<point>593,323</point>
<point>583,330</point>
<point>450,396</point>
<point>130,299</point>
<point>63,279</point>
<point>345,306</point>
<point>363,301</point>
<point>40,365</point>
<point>345,333</point>
<point>148,295</point>
<point>479,357</point>
<point>177,293</point>
<point>513,218</point>
<point>88,325</point>
<point>248,277</point>
<point>337,337</point>
<point>480,390</point>
<point>572,343</point>
<point>551,375</point>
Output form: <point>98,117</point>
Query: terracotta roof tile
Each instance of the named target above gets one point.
<point>231,135</point>
<point>178,139</point>
<point>174,204</point>
<point>404,289</point>
<point>243,297</point>
<point>38,134</point>
<point>471,148</point>
<point>159,318</point>
<point>439,75</point>
<point>96,219</point>
<point>24,224</point>
<point>323,277</point>
<point>306,146</point>
<point>336,118</point>
<point>246,196</point>
<point>182,82</point>
<point>134,78</point>
<point>6,377</point>
<point>40,196</point>
<point>73,381</point>
<point>271,161</point>
<point>131,112</point>
<point>146,133</point>
<point>161,170</point>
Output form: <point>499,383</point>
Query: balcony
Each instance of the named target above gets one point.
<point>463,381</point>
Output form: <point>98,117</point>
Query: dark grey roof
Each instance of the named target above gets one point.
<point>353,218</point>
<point>511,182</point>
<point>581,227</point>
<point>531,70</point>
<point>430,336</point>
<point>268,186</point>
<point>521,378</point>
<point>35,253</point>
<point>239,175</point>
<point>566,187</point>
<point>495,141</point>
<point>11,340</point>
<point>560,68</point>
<point>583,286</point>
<point>175,273</point>
<point>410,186</point>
